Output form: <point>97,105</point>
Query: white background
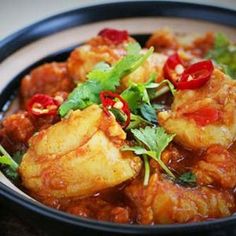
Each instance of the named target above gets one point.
<point>15,14</point>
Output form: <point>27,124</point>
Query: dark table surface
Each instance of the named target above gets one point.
<point>12,224</point>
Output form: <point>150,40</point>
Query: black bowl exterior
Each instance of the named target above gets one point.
<point>109,11</point>
<point>85,16</point>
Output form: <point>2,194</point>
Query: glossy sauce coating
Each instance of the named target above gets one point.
<point>48,174</point>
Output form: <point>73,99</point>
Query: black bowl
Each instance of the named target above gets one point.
<point>52,39</point>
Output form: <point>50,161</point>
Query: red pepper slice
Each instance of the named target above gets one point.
<point>204,116</point>
<point>116,36</point>
<point>42,104</point>
<point>195,76</point>
<point>108,101</point>
<point>170,66</point>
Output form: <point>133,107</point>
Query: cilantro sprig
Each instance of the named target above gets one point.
<point>224,54</point>
<point>187,178</point>
<point>10,165</point>
<point>139,97</point>
<point>151,142</point>
<point>137,121</point>
<point>104,77</point>
<point>136,95</point>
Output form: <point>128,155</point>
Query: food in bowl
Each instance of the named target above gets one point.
<point>128,134</point>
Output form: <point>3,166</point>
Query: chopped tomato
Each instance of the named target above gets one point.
<point>204,116</point>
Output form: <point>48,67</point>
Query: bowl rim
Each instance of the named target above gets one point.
<point>70,19</point>
<point>26,35</point>
<point>108,226</point>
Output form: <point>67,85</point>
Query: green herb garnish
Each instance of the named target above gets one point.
<point>151,142</point>
<point>137,121</point>
<point>120,117</point>
<point>156,90</point>
<point>224,54</point>
<point>104,77</point>
<point>149,113</point>
<point>17,157</point>
<point>136,95</point>
<point>10,165</point>
<point>188,178</point>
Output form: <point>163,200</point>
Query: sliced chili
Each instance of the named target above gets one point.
<point>204,116</point>
<point>42,104</point>
<point>115,36</point>
<point>170,68</point>
<point>110,99</point>
<point>196,75</point>
<point>193,77</point>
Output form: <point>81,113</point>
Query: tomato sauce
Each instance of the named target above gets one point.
<point>130,202</point>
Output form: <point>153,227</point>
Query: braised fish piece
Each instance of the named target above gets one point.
<point>49,79</point>
<point>218,167</point>
<point>205,116</point>
<point>163,202</point>
<point>84,58</point>
<point>78,156</point>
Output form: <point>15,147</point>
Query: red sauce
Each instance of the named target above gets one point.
<point>130,202</point>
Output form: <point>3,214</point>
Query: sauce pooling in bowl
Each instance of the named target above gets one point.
<point>128,134</point>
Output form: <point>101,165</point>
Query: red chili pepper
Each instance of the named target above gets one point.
<point>170,66</point>
<point>42,104</point>
<point>116,36</point>
<point>204,116</point>
<point>195,76</point>
<point>108,101</point>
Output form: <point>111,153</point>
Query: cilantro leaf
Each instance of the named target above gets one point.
<point>5,160</point>
<point>138,97</point>
<point>149,113</point>
<point>147,170</point>
<point>81,97</point>
<point>154,138</point>
<point>135,96</point>
<point>104,77</point>
<point>147,136</point>
<point>221,40</point>
<point>151,142</point>
<point>138,150</point>
<point>133,48</point>
<point>100,73</point>
<point>118,115</point>
<point>187,178</point>
<point>10,165</point>
<point>224,54</point>
<point>158,89</point>
<point>11,174</point>
<point>137,121</point>
<point>159,107</point>
<point>170,85</point>
<point>139,94</point>
<point>17,157</point>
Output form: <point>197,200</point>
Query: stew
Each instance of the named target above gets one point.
<point>128,134</point>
